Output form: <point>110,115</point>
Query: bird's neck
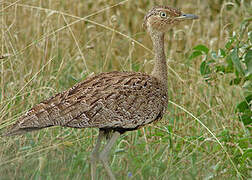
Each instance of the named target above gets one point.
<point>160,67</point>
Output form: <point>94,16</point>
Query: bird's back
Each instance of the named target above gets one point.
<point>114,100</point>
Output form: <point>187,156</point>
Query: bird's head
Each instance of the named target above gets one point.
<point>162,18</point>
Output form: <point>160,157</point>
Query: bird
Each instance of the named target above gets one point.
<point>114,102</point>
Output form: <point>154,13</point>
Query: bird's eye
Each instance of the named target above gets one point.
<point>163,14</point>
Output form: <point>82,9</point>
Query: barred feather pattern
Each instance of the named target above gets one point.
<point>119,101</point>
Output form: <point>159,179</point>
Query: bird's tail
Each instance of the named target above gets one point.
<point>16,130</point>
<point>24,125</point>
<point>36,118</point>
<point>56,111</point>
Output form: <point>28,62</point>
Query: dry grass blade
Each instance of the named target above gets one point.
<point>214,136</point>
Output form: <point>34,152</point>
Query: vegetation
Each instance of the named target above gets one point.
<point>235,58</point>
<point>48,46</point>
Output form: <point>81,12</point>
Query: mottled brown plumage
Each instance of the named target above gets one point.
<point>113,102</point>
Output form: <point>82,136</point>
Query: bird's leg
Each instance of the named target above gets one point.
<point>95,154</point>
<point>103,156</point>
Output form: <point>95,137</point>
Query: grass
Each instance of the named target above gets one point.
<point>51,45</point>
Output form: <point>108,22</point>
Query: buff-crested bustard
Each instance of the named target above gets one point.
<point>114,102</point>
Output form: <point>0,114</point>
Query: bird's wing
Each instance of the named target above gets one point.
<point>106,100</point>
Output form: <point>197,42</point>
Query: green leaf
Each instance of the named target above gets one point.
<point>248,62</point>
<point>214,55</point>
<point>230,66</point>
<point>225,135</point>
<point>248,83</point>
<point>204,68</point>
<point>201,48</point>
<point>195,54</point>
<point>244,142</point>
<point>221,53</point>
<point>228,45</point>
<point>244,105</point>
<point>235,81</point>
<point>236,61</point>
<point>243,27</point>
<point>247,154</point>
<point>220,69</point>
<point>250,36</point>
<point>246,118</point>
<point>244,110</point>
<point>249,98</point>
<point>211,61</point>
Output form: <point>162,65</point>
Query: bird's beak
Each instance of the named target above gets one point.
<point>187,16</point>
